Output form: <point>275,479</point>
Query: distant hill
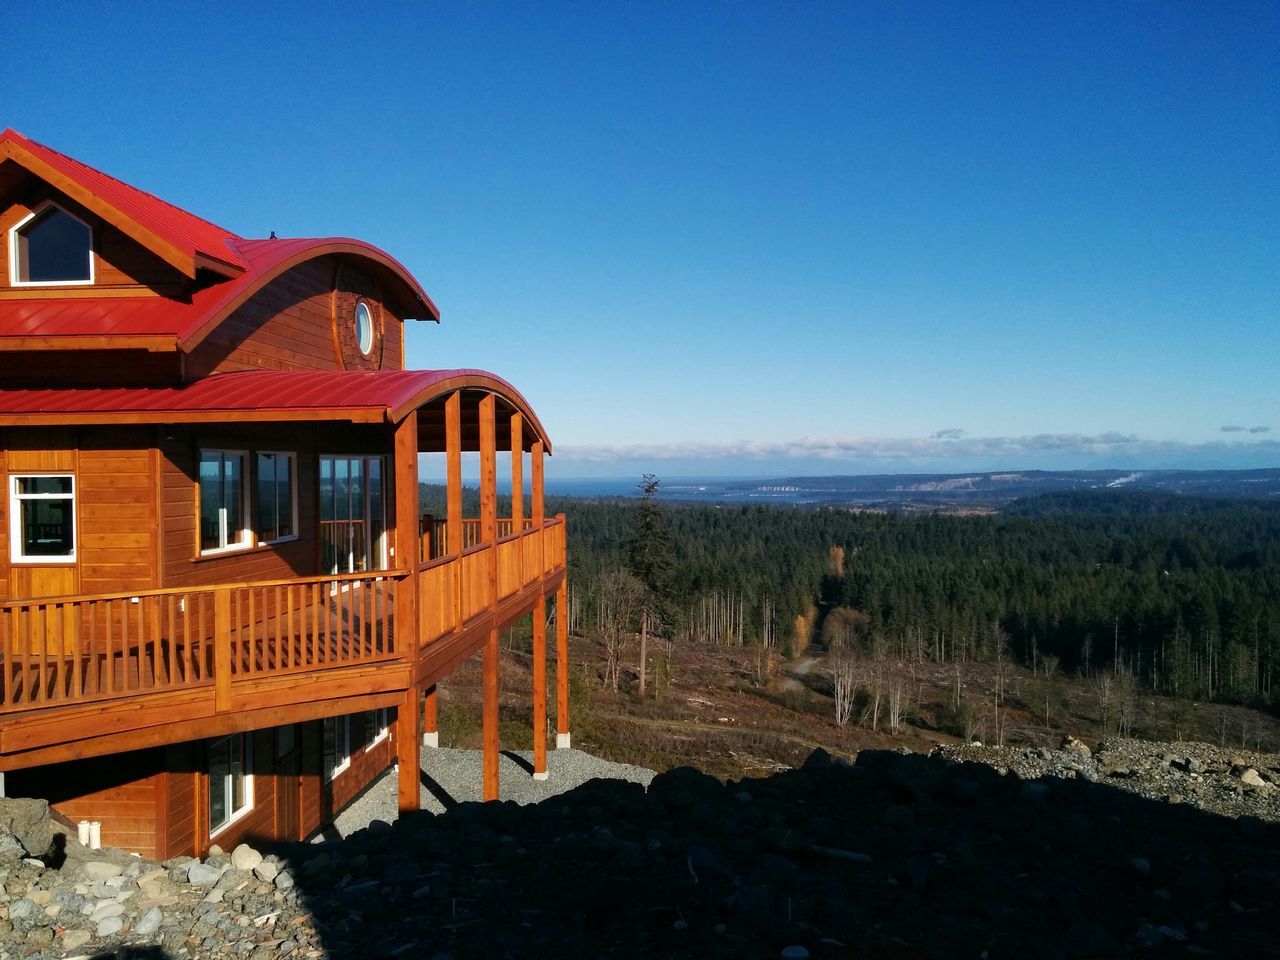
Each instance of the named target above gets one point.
<point>932,491</point>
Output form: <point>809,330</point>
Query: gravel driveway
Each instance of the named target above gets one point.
<point>454,776</point>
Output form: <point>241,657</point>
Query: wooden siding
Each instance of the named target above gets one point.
<point>352,286</point>
<point>38,451</point>
<point>88,368</point>
<point>122,266</point>
<point>118,535</point>
<point>121,791</point>
<point>182,564</point>
<point>284,326</point>
<point>323,799</point>
<point>117,529</point>
<point>181,789</point>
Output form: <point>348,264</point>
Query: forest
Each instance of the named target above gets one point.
<point>1180,594</point>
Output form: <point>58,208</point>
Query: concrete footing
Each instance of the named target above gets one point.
<point>562,741</point>
<point>540,776</point>
<point>431,739</point>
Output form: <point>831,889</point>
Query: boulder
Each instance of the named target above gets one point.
<point>148,923</point>
<point>96,870</point>
<point>245,858</point>
<point>29,821</point>
<point>203,874</point>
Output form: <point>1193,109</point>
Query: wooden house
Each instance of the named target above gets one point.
<point>222,609</point>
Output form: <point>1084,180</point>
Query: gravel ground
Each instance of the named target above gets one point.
<point>455,777</point>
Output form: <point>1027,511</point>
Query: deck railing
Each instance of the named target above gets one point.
<point>450,594</point>
<point>70,650</point>
<point>77,649</point>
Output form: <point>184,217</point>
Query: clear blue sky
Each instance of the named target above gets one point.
<point>748,238</point>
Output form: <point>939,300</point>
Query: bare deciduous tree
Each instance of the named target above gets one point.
<point>621,596</point>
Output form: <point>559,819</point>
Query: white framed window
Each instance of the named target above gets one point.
<point>50,247</point>
<point>42,518</point>
<point>374,726</point>
<point>224,508</point>
<point>364,328</point>
<point>337,745</point>
<point>230,780</point>
<point>277,496</point>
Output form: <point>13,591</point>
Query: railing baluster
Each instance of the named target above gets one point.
<point>172,620</point>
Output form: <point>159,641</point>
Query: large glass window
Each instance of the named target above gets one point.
<point>276,485</point>
<point>222,502</point>
<point>352,504</point>
<point>42,521</point>
<point>51,246</point>
<point>230,780</point>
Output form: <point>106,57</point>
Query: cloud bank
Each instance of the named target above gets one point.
<point>944,444</point>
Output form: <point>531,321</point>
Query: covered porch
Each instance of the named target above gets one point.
<point>91,674</point>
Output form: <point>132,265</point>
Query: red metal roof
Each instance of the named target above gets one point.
<point>162,323</point>
<point>185,231</point>
<point>260,395</point>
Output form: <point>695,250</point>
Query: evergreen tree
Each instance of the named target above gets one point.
<point>651,558</point>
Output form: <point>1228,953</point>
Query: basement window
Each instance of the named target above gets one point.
<point>374,727</point>
<point>50,247</point>
<point>337,746</point>
<point>42,518</point>
<point>224,508</point>
<point>230,780</point>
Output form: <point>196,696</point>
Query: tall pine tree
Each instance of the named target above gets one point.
<point>651,558</point>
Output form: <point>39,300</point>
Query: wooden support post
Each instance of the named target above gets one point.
<point>540,687</point>
<point>405,630</point>
<point>488,472</point>
<point>517,493</point>
<point>221,650</point>
<point>489,534</point>
<point>453,493</point>
<point>563,741</point>
<point>453,469</point>
<point>490,720</point>
<point>430,719</point>
<point>539,621</point>
<point>408,780</point>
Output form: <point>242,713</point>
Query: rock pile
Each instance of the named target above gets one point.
<point>1233,783</point>
<point>898,855</point>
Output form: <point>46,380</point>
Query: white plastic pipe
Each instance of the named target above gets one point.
<point>82,832</point>
<point>95,834</point>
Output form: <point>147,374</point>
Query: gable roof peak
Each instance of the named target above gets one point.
<point>186,241</point>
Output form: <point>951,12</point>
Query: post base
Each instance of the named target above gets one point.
<point>431,738</point>
<point>562,741</point>
<point>540,776</point>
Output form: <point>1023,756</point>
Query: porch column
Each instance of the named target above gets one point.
<point>408,761</point>
<point>539,623</point>
<point>489,534</point>
<point>406,606</point>
<point>517,474</point>
<point>430,721</point>
<point>453,491</point>
<point>562,666</point>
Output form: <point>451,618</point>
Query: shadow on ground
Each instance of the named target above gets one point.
<point>898,856</point>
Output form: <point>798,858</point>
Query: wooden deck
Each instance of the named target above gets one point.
<point>83,676</point>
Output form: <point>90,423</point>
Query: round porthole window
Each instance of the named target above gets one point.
<point>364,327</point>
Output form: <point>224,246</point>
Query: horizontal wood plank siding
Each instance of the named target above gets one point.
<point>118,536</point>
<point>284,326</point>
<point>120,791</point>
